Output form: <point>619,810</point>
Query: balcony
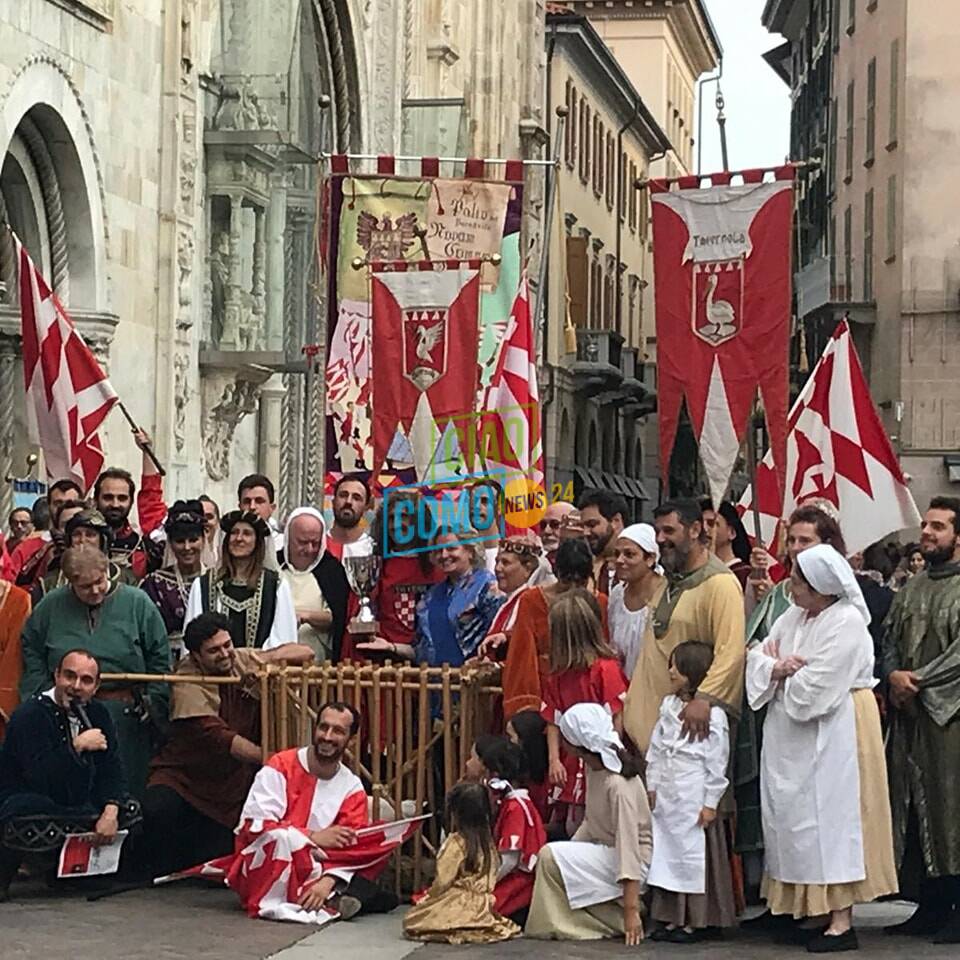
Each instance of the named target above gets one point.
<point>826,287</point>
<point>598,364</point>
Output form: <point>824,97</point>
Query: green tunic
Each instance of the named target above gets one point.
<point>126,634</point>
<point>922,634</point>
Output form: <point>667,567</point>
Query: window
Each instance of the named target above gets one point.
<point>835,25</point>
<point>578,280</point>
<point>848,166</point>
<point>611,178</point>
<point>894,92</point>
<point>597,155</point>
<point>596,295</point>
<point>851,16</point>
<point>833,120</point>
<point>847,259</point>
<point>570,130</point>
<point>625,190</point>
<point>633,194</point>
<point>868,246</point>
<point>871,111</point>
<point>584,156</point>
<point>891,219</point>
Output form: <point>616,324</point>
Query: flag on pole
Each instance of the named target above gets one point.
<point>511,440</point>
<point>837,450</point>
<point>722,266</point>
<point>69,395</point>
<point>424,349</point>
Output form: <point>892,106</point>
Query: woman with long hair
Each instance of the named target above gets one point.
<point>528,652</point>
<point>588,888</point>
<point>254,599</point>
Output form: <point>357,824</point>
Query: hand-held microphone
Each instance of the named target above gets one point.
<point>80,712</point>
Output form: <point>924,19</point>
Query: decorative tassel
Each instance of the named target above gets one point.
<point>804,365</point>
<point>570,338</point>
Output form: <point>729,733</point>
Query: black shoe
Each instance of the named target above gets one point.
<point>798,936</point>
<point>661,934</point>
<point>679,935</point>
<point>767,921</point>
<point>925,921</point>
<point>950,931</point>
<point>822,943</point>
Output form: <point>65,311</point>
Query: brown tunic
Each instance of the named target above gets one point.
<point>196,759</point>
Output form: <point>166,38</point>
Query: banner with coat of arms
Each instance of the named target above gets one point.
<point>722,269</point>
<point>388,218</point>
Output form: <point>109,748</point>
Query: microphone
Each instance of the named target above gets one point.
<point>80,712</point>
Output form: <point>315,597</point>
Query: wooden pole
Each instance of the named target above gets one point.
<point>423,763</point>
<point>752,475</point>
<point>147,449</point>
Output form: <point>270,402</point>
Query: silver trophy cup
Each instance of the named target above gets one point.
<point>363,574</point>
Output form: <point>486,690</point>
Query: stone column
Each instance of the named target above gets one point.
<point>257,332</point>
<point>231,324</point>
<point>9,357</point>
<point>276,263</point>
<point>271,429</point>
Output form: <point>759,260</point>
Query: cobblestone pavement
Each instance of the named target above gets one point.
<point>191,921</point>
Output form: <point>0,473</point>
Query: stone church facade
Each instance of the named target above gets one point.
<point>160,163</point>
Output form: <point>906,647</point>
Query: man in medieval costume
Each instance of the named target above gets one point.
<point>120,626</point>
<point>701,599</point>
<point>921,663</point>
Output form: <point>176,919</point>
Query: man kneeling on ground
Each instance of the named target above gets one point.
<point>199,780</point>
<point>60,770</point>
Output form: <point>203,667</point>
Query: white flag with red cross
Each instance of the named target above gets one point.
<point>837,450</point>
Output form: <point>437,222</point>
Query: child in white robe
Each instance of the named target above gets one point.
<point>686,779</point>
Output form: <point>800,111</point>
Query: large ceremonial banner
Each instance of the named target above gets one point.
<point>837,450</point>
<point>722,268</point>
<point>425,373</point>
<point>385,217</point>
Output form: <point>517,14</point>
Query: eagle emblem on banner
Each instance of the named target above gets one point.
<point>382,239</point>
<point>718,300</point>
<point>424,346</point>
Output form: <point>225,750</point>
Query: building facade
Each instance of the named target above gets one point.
<point>662,48</point>
<point>594,395</point>
<point>877,234</point>
<point>160,162</point>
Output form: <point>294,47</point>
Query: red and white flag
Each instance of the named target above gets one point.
<point>722,267</point>
<point>837,450</point>
<point>424,349</point>
<point>511,439</point>
<point>70,395</point>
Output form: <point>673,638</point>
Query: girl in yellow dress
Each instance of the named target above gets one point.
<point>458,907</point>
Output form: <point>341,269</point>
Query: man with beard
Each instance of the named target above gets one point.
<point>122,628</point>
<point>113,495</point>
<point>351,500</point>
<point>921,663</point>
<point>551,525</point>
<point>200,779</point>
<point>297,845</point>
<point>702,600</point>
<point>603,515</point>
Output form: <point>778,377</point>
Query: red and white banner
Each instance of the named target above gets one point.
<point>722,264</point>
<point>69,395</point>
<point>837,450</point>
<point>424,348</point>
<point>512,442</point>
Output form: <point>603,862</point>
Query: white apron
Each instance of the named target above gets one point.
<point>589,872</point>
<point>809,774</point>
<point>686,776</point>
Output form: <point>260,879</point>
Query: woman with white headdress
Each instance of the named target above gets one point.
<point>638,581</point>
<point>826,817</point>
<point>588,888</point>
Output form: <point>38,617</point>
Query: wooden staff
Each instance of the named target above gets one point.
<point>423,759</point>
<point>146,448</point>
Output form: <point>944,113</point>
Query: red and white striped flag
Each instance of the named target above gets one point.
<point>71,395</point>
<point>512,442</point>
<point>837,450</point>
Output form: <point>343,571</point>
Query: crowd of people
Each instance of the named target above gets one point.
<point>687,726</point>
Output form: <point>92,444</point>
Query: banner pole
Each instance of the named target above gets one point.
<point>147,449</point>
<point>549,202</point>
<point>752,473</point>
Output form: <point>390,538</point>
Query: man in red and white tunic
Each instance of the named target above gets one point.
<point>297,844</point>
